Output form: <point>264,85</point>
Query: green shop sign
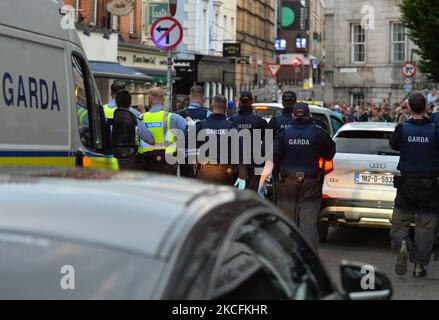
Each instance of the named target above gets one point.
<point>157,11</point>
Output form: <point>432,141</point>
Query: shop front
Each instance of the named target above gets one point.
<point>216,74</point>
<point>146,60</point>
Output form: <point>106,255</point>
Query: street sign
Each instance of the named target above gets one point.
<point>408,82</point>
<point>274,69</point>
<point>243,60</point>
<point>409,69</point>
<point>272,82</point>
<point>166,33</point>
<point>157,11</point>
<point>231,50</point>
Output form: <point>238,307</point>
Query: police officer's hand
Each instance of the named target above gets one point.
<point>262,190</point>
<point>240,183</point>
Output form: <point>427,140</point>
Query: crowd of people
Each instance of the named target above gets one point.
<point>384,112</point>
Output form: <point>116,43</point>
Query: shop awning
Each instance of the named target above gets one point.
<point>159,76</point>
<point>116,71</point>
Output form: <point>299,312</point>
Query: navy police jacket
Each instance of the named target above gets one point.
<point>298,147</point>
<point>418,143</point>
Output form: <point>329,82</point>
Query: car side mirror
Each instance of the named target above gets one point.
<point>364,282</point>
<point>124,134</point>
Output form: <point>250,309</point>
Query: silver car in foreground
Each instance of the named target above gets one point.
<point>101,235</point>
<point>360,189</point>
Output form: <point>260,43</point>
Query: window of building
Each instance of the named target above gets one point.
<point>357,99</point>
<point>398,42</point>
<point>94,11</point>
<point>76,5</point>
<point>232,24</point>
<point>132,22</point>
<point>115,23</point>
<point>358,44</point>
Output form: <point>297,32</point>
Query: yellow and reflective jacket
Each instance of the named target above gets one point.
<point>159,123</point>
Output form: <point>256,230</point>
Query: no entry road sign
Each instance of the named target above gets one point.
<point>166,33</point>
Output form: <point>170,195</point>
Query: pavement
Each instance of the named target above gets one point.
<point>372,246</point>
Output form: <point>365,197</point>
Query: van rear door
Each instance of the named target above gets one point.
<point>34,102</point>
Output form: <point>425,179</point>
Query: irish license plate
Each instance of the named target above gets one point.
<point>373,178</point>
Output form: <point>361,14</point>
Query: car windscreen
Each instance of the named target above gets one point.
<point>364,142</point>
<point>39,267</point>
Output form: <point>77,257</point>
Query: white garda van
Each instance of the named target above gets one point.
<point>50,110</point>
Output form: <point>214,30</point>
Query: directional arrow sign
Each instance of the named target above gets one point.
<point>274,69</point>
<point>166,33</point>
<point>409,69</point>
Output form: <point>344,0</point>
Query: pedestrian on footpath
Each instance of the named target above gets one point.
<point>417,187</point>
<point>297,151</point>
<point>247,120</point>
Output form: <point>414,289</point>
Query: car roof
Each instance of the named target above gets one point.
<point>42,17</point>
<point>313,108</point>
<point>130,211</point>
<point>369,126</point>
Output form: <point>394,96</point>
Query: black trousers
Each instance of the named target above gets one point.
<point>253,178</point>
<point>301,202</point>
<point>216,173</point>
<point>416,202</point>
<point>135,163</point>
<point>155,161</point>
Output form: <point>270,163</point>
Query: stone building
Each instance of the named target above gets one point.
<point>256,33</point>
<point>366,46</point>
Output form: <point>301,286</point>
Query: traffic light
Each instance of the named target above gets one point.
<point>297,62</point>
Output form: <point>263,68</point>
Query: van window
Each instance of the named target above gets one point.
<point>87,109</point>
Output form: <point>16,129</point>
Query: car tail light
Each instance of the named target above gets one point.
<point>326,165</point>
<point>261,108</point>
<point>325,196</point>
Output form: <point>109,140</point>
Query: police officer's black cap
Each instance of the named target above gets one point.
<point>289,96</point>
<point>246,97</point>
<point>301,110</point>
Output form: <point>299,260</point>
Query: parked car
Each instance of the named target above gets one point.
<point>359,191</point>
<point>326,118</point>
<point>134,236</point>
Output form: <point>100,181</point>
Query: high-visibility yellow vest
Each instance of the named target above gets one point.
<point>109,111</point>
<point>159,123</point>
<point>82,113</point>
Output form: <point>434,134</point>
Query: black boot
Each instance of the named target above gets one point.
<point>401,262</point>
<point>419,271</point>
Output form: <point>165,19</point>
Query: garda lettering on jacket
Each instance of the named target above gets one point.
<point>217,131</point>
<point>418,139</point>
<point>29,92</point>
<point>245,126</point>
<point>299,142</point>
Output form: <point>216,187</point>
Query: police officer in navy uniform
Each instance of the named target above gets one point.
<point>196,112</point>
<point>417,139</point>
<point>247,120</point>
<point>297,151</point>
<point>289,99</point>
<point>219,168</point>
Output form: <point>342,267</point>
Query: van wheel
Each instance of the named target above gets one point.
<point>323,230</point>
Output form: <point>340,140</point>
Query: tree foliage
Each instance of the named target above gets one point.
<point>421,17</point>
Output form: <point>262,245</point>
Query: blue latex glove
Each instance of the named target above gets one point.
<point>240,184</point>
<point>262,190</point>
